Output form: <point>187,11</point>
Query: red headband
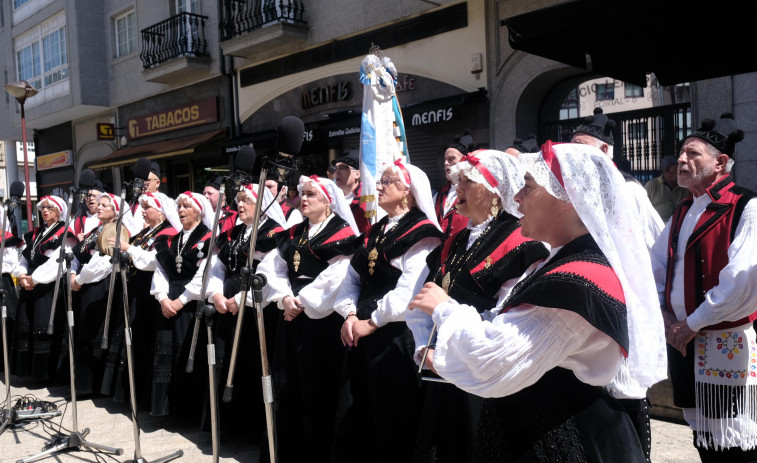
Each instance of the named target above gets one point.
<point>251,187</point>
<point>314,178</point>
<point>553,163</point>
<point>403,169</point>
<point>157,203</point>
<point>476,162</point>
<point>113,201</point>
<point>52,200</point>
<point>191,196</point>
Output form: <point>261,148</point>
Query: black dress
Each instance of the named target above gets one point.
<point>173,389</point>
<point>380,390</point>
<point>90,304</point>
<point>560,418</point>
<point>473,276</point>
<point>143,313</point>
<point>308,355</point>
<point>35,353</point>
<point>245,412</point>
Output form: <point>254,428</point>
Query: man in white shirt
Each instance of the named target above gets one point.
<point>704,266</point>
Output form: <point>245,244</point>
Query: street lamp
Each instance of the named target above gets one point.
<point>21,91</point>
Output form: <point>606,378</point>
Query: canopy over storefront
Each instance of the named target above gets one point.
<point>678,40</point>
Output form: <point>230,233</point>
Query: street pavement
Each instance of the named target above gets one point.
<point>160,436</point>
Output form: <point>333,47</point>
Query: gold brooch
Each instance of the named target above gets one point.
<point>372,256</point>
<point>488,262</point>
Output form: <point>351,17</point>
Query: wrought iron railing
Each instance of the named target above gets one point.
<point>242,16</point>
<point>177,36</point>
<point>642,137</point>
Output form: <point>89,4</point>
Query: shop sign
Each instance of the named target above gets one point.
<point>343,132</point>
<point>340,91</point>
<point>432,116</point>
<point>54,160</point>
<point>106,131</point>
<point>180,117</point>
<point>405,83</point>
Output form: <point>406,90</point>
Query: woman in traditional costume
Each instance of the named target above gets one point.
<point>90,279</point>
<point>304,274</point>
<point>225,291</point>
<point>176,285</point>
<point>478,265</point>
<point>162,220</point>
<point>37,353</point>
<point>378,418</point>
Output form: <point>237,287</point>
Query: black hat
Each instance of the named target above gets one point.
<point>98,186</point>
<point>598,126</point>
<point>566,135</point>
<point>722,133</point>
<point>215,182</point>
<point>351,158</point>
<point>155,168</point>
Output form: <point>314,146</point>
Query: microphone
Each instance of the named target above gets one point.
<point>141,173</point>
<point>16,192</point>
<point>289,137</point>
<point>242,173</point>
<point>86,183</point>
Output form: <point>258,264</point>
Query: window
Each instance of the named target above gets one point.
<point>634,91</point>
<point>126,41</point>
<point>637,130</point>
<point>606,91</point>
<point>44,62</point>
<point>19,3</point>
<point>569,107</point>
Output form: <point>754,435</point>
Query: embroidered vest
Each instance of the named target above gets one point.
<point>51,241</point>
<point>167,251</point>
<point>707,248</point>
<point>502,254</point>
<point>336,239</point>
<point>580,279</point>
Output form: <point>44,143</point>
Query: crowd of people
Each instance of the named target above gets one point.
<point>519,314</point>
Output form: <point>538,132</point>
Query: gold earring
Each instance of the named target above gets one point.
<point>328,211</point>
<point>404,201</point>
<point>495,207</point>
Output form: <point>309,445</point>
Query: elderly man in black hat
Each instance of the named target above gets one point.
<point>705,265</point>
<point>87,221</point>
<point>596,130</point>
<point>347,178</point>
<point>663,191</point>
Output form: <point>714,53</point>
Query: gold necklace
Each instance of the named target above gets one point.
<point>456,266</point>
<point>304,238</point>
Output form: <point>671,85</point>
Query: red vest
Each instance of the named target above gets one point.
<point>451,222</point>
<point>707,248</point>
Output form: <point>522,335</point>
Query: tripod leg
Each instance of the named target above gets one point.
<point>102,448</point>
<point>46,453</point>
<point>212,382</point>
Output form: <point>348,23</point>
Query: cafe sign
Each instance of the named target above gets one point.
<point>180,117</point>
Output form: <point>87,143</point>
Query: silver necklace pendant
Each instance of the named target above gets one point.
<point>178,263</point>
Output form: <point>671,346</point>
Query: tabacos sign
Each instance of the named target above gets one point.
<point>180,117</point>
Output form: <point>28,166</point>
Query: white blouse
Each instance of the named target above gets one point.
<point>735,296</point>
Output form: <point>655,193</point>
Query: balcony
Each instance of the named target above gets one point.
<point>262,29</point>
<point>175,47</point>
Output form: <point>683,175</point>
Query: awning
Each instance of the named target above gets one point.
<point>679,40</point>
<point>158,149</point>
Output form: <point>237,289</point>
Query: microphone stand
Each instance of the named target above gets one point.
<point>68,221</point>
<point>76,439</point>
<point>120,260</point>
<point>207,311</point>
<point>257,282</point>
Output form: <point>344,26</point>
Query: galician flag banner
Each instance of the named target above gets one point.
<point>382,131</point>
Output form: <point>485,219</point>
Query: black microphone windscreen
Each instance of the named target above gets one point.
<point>290,135</point>
<point>245,159</point>
<point>142,168</point>
<point>87,179</point>
<point>17,188</point>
